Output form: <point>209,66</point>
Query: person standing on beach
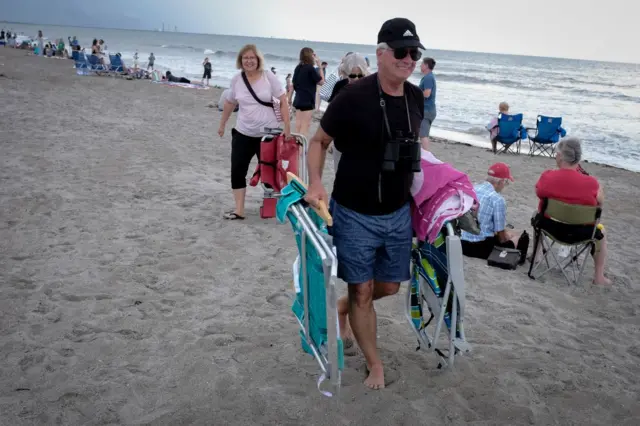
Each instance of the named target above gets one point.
<point>207,71</point>
<point>252,84</point>
<point>428,87</point>
<point>370,204</point>
<point>40,43</point>
<point>306,79</point>
<point>152,60</point>
<point>135,61</point>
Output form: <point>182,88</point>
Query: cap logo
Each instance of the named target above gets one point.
<point>407,34</point>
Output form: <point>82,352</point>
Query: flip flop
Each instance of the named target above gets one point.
<point>233,216</point>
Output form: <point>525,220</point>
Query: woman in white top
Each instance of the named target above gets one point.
<point>252,118</point>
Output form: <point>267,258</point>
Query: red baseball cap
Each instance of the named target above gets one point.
<point>501,171</point>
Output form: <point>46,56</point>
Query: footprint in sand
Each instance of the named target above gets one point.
<point>279,299</point>
<point>22,283</point>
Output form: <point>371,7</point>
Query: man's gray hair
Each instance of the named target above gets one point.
<point>571,150</point>
<point>496,180</point>
<point>354,60</point>
<point>382,46</point>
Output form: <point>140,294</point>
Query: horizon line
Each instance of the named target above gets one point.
<point>331,42</point>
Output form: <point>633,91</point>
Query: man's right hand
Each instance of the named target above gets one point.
<point>315,194</point>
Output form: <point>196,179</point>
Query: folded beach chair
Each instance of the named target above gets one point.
<point>573,226</point>
<point>437,295</point>
<point>548,132</point>
<point>314,277</point>
<point>278,156</point>
<point>510,133</point>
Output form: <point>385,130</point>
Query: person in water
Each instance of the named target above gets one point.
<point>152,60</point>
<point>207,71</point>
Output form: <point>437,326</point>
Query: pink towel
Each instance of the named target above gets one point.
<point>440,193</point>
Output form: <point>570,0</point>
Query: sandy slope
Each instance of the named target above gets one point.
<point>126,299</point>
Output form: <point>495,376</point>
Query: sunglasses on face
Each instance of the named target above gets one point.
<point>352,76</point>
<point>402,52</point>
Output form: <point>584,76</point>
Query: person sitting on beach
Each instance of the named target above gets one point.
<point>306,79</point>
<point>503,108</point>
<point>152,60</point>
<point>207,71</point>
<point>174,79</point>
<point>370,206</point>
<point>570,184</point>
<point>253,117</point>
<point>492,217</point>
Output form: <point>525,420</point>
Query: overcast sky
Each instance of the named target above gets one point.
<point>589,29</point>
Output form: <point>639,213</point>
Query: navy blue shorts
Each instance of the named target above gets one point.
<point>372,247</point>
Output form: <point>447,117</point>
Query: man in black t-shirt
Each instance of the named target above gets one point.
<point>370,206</point>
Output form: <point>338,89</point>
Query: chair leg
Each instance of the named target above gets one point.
<point>536,241</point>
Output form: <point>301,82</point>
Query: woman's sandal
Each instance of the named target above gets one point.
<point>233,216</point>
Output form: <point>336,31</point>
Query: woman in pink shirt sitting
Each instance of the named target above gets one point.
<point>253,118</point>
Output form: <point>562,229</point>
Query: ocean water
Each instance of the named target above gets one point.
<point>599,101</point>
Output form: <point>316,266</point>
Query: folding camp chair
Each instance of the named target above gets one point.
<point>95,65</point>
<point>438,290</point>
<point>278,156</point>
<point>568,225</point>
<point>115,64</point>
<point>314,277</point>
<point>548,132</point>
<point>510,133</point>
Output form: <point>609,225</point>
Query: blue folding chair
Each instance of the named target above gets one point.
<point>314,277</point>
<point>94,64</point>
<point>548,132</point>
<point>116,64</point>
<point>510,133</point>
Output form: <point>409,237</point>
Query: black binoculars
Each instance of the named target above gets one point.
<point>402,154</point>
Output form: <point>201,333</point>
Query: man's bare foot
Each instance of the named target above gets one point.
<point>376,377</point>
<point>603,281</point>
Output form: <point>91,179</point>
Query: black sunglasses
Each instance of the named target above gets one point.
<point>356,76</point>
<point>402,52</point>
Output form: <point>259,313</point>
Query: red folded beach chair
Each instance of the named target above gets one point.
<point>277,157</point>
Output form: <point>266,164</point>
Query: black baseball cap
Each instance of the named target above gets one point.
<point>399,32</point>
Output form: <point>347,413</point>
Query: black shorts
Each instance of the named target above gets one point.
<point>570,234</point>
<point>305,107</point>
<point>482,249</point>
<point>207,74</point>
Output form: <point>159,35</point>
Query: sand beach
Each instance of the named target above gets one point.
<point>125,298</point>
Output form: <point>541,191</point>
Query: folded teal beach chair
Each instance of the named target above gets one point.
<point>314,277</point>
<point>437,295</point>
<point>547,134</point>
<point>510,133</point>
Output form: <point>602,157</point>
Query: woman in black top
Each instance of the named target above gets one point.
<point>305,81</point>
<point>207,71</point>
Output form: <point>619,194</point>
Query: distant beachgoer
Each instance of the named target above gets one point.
<point>273,70</point>
<point>356,68</point>
<point>207,71</point>
<point>503,108</point>
<point>306,79</point>
<point>152,60</point>
<point>428,86</point>
<point>288,87</point>
<point>252,118</point>
<point>174,79</point>
<point>2,35</point>
<point>40,43</point>
<point>135,60</point>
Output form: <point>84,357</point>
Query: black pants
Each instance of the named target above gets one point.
<point>482,249</point>
<point>243,148</point>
